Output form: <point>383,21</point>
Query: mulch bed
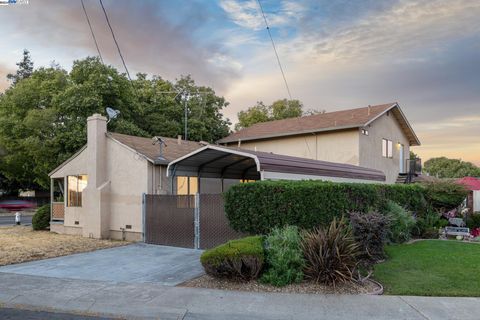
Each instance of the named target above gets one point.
<point>209,282</point>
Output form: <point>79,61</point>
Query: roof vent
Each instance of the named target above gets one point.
<point>369,109</point>
<point>179,139</point>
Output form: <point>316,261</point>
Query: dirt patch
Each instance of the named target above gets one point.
<point>21,244</point>
<point>209,282</point>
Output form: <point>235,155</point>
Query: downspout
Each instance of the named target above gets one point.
<point>144,212</point>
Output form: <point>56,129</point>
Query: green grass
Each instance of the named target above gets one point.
<point>431,268</point>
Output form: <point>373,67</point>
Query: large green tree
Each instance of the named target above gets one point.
<point>279,109</point>
<point>443,167</point>
<point>43,115</point>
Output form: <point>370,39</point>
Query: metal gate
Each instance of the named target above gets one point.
<point>186,221</point>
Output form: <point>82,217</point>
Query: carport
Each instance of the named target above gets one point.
<point>228,163</point>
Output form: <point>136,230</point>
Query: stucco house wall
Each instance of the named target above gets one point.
<point>385,127</point>
<point>336,146</point>
<point>126,189</point>
<point>112,201</point>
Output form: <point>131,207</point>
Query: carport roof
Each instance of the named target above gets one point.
<point>223,162</point>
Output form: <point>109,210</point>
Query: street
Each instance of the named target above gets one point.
<point>10,220</point>
<point>20,314</point>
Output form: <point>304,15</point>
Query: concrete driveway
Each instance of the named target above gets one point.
<point>135,263</point>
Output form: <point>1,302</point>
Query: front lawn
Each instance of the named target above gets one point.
<point>431,268</point>
<point>21,244</point>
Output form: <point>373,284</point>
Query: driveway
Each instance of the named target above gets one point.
<point>135,263</point>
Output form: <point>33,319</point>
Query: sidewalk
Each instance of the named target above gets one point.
<point>153,301</point>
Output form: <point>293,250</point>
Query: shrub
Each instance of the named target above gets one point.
<point>427,226</point>
<point>401,223</point>
<point>473,221</point>
<point>443,195</point>
<point>259,207</point>
<point>330,253</point>
<point>41,218</point>
<point>237,259</point>
<point>284,257</point>
<point>370,231</point>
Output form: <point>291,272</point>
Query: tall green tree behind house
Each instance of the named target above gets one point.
<point>278,110</point>
<point>43,116</point>
<point>25,68</point>
<point>443,167</point>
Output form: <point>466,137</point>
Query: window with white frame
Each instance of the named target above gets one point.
<point>387,148</point>
<point>75,186</point>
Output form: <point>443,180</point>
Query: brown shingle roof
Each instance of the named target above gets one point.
<point>330,121</point>
<point>171,150</point>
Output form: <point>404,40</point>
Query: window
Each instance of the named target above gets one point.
<point>387,148</point>
<point>365,132</point>
<point>75,185</point>
<point>187,185</point>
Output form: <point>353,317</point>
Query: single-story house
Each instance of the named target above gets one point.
<point>377,137</point>
<point>98,192</point>
<point>473,197</point>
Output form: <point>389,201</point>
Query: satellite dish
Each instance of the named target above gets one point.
<point>112,113</point>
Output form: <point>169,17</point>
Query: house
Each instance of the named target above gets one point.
<point>377,137</point>
<point>473,197</point>
<point>99,191</point>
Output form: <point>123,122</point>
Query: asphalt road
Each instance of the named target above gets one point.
<point>19,314</point>
<point>10,220</point>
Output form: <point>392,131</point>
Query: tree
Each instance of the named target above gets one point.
<point>278,110</point>
<point>43,116</point>
<point>443,167</point>
<point>25,68</point>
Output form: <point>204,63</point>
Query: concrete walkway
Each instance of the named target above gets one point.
<point>154,301</point>
<point>135,263</point>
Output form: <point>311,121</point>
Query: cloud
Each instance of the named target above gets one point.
<point>247,14</point>
<point>403,27</point>
<point>149,41</point>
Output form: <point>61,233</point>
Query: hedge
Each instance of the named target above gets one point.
<point>241,259</point>
<point>258,207</point>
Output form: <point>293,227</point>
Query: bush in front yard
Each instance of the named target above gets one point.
<point>371,231</point>
<point>427,226</point>
<point>330,253</point>
<point>284,257</point>
<point>401,223</point>
<point>259,207</point>
<point>444,195</point>
<point>237,259</point>
<point>41,218</point>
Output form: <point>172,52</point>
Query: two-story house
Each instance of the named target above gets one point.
<point>377,137</point>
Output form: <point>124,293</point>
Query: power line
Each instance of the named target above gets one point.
<point>274,49</point>
<point>115,40</point>
<point>91,30</point>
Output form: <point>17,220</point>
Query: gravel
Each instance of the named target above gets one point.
<point>209,282</point>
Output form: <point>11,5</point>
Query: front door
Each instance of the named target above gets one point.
<point>402,158</point>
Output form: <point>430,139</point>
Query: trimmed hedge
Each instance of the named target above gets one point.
<point>239,259</point>
<point>259,207</point>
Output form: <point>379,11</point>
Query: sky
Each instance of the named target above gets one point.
<point>336,54</point>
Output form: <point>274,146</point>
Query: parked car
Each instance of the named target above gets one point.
<point>16,205</point>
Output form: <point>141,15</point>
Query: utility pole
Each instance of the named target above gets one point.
<point>185,102</point>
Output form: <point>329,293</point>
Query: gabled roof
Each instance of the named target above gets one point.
<point>144,146</point>
<point>470,182</point>
<point>330,121</point>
